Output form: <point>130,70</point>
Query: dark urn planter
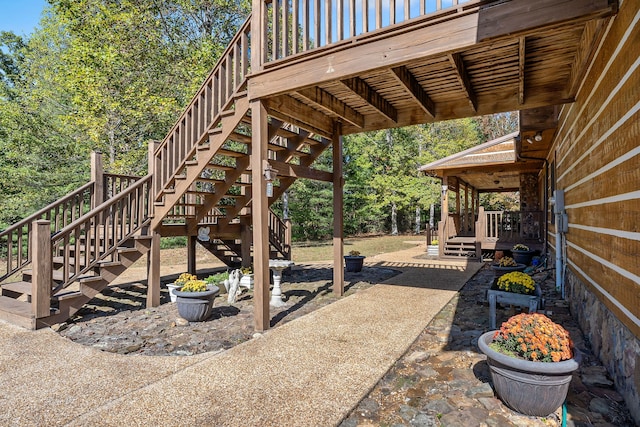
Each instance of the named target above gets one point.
<point>522,257</point>
<point>531,388</point>
<point>499,271</point>
<point>196,306</point>
<point>354,262</point>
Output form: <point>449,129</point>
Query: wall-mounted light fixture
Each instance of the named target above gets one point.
<point>537,138</point>
<point>270,175</point>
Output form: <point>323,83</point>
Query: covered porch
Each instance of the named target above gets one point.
<point>466,228</point>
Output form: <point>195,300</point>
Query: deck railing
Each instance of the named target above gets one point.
<point>296,26</point>
<point>203,112</point>
<point>280,234</point>
<point>115,183</point>
<point>15,241</point>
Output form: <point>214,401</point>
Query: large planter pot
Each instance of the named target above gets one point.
<point>172,288</point>
<point>196,306</point>
<point>522,257</point>
<point>500,271</point>
<point>531,388</point>
<point>354,263</point>
<point>433,250</point>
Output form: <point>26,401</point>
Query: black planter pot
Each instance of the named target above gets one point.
<point>531,388</point>
<point>522,257</point>
<point>354,263</point>
<point>196,306</point>
<point>499,271</point>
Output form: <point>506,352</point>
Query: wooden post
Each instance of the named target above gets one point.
<point>338,215</point>
<point>258,50</point>
<point>260,214</point>
<point>151,169</point>
<point>97,176</point>
<point>153,272</point>
<point>444,215</point>
<point>191,254</point>
<point>287,237</point>
<point>466,208</point>
<point>245,243</point>
<point>42,275</point>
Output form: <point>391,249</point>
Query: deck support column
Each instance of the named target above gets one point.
<point>153,271</point>
<point>191,254</point>
<point>444,215</point>
<point>42,273</point>
<point>245,243</point>
<point>260,214</point>
<point>338,215</point>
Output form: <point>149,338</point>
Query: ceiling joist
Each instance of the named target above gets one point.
<point>415,90</point>
<point>463,77</point>
<point>299,114</point>
<point>297,171</point>
<point>371,97</point>
<point>522,49</point>
<point>330,103</point>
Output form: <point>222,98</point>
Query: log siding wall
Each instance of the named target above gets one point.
<point>597,158</point>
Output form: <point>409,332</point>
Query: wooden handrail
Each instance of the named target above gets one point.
<point>99,233</point>
<point>278,235</point>
<point>15,241</point>
<point>203,113</point>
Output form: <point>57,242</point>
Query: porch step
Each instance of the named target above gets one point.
<point>460,247</point>
<point>17,312</point>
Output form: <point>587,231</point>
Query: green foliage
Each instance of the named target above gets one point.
<point>173,242</point>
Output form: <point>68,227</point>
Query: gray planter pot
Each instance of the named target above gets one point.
<point>531,388</point>
<point>499,271</point>
<point>196,306</point>
<point>354,263</point>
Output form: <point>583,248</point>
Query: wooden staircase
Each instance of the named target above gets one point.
<point>460,247</point>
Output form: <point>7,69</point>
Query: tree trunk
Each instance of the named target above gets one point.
<point>417,219</point>
<point>285,205</point>
<point>432,211</point>
<point>394,219</point>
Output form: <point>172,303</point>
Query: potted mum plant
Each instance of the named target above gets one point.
<point>180,281</point>
<point>354,261</point>
<point>433,249</point>
<point>506,265</point>
<point>195,300</point>
<point>246,281</point>
<point>531,360</point>
<point>522,254</point>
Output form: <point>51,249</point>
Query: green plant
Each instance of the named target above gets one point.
<point>214,279</point>
<point>507,262</point>
<point>246,270</point>
<point>517,282</point>
<point>184,278</point>
<point>194,286</point>
<point>533,337</point>
<point>354,253</point>
<point>520,247</point>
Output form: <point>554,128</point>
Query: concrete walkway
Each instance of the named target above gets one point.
<point>309,372</point>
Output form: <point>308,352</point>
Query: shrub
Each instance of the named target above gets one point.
<point>517,282</point>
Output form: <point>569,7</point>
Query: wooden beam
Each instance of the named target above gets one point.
<point>518,16</point>
<point>191,254</point>
<point>153,271</point>
<point>297,113</point>
<point>260,215</point>
<point>297,171</point>
<point>415,90</point>
<point>463,78</point>
<point>42,271</point>
<point>338,214</point>
<point>371,97</point>
<point>522,51</point>
<point>227,231</point>
<point>331,104</point>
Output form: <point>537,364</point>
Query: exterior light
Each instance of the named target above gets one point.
<point>270,175</point>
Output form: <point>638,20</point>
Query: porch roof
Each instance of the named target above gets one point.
<point>491,166</point>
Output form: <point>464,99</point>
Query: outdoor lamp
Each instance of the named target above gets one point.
<point>270,175</point>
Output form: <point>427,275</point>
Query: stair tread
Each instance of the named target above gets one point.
<point>20,287</point>
<point>15,307</point>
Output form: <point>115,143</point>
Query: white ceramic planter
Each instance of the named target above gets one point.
<point>172,287</point>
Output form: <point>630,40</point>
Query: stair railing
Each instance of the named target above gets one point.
<point>15,241</point>
<point>280,234</point>
<point>204,111</point>
<point>98,234</point>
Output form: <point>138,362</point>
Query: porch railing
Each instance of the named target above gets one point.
<point>509,226</point>
<point>296,26</point>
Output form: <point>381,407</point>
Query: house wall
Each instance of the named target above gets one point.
<point>596,156</point>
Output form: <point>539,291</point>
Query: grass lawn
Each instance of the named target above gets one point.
<point>368,246</point>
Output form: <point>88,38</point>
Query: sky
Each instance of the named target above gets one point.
<point>20,16</point>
